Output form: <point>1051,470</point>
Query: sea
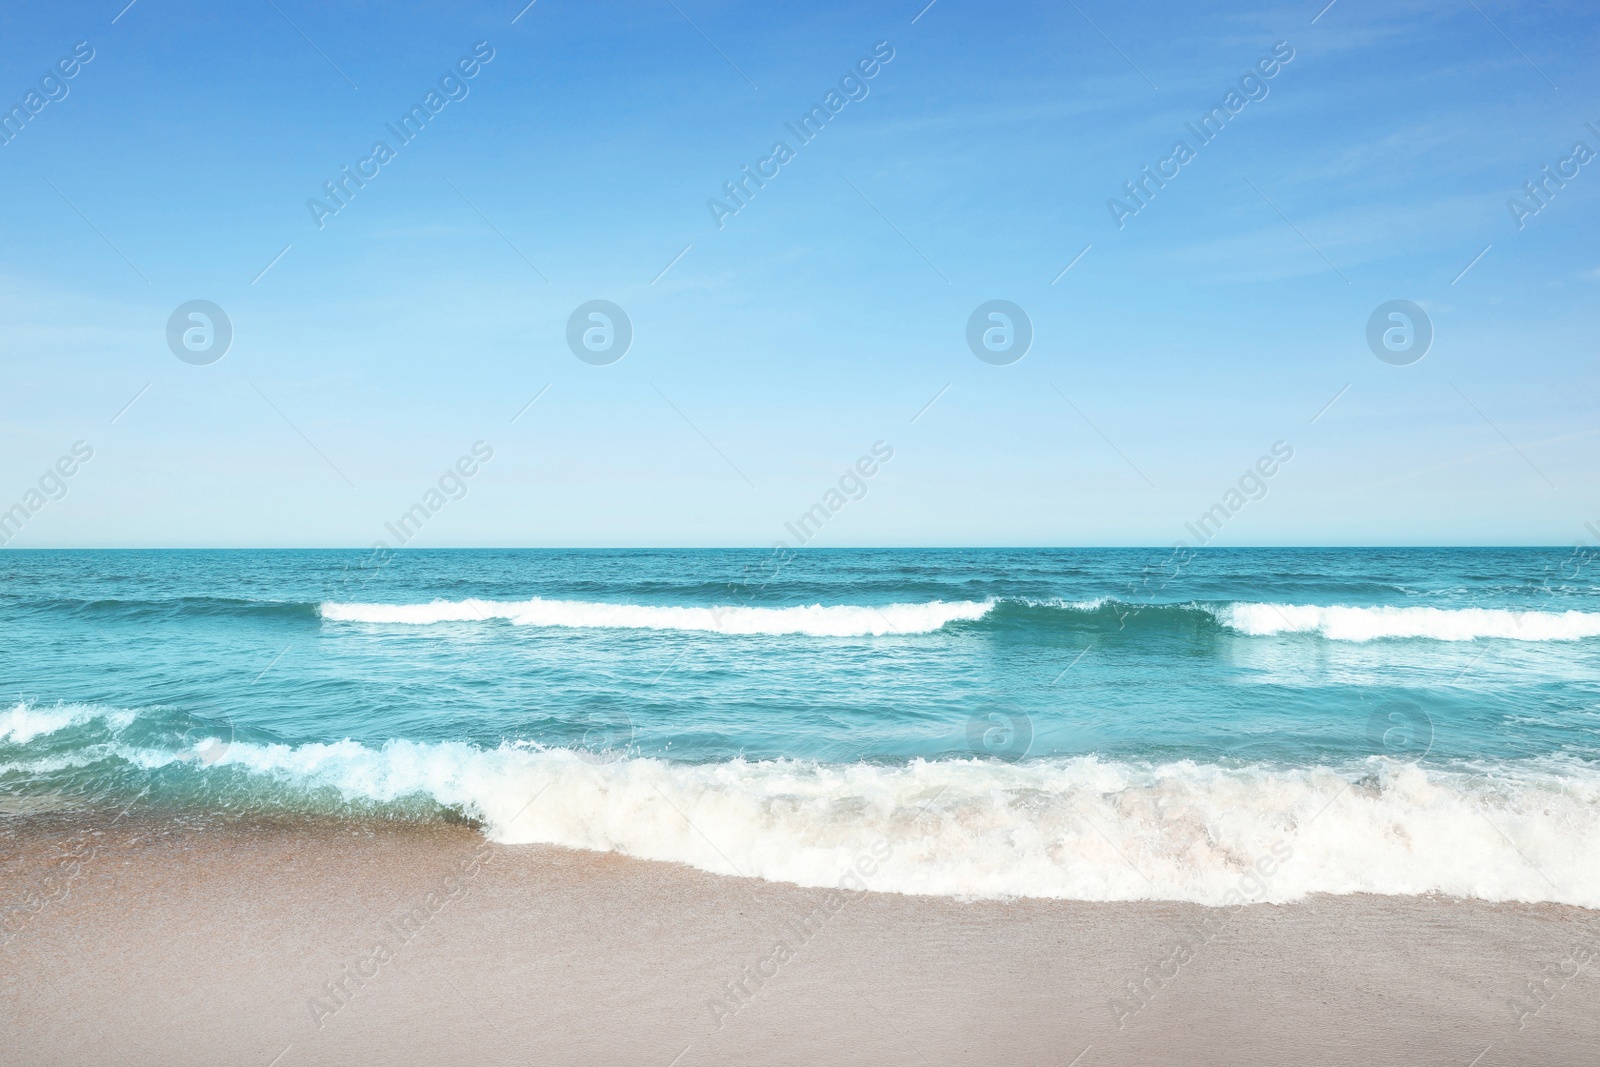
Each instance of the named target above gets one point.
<point>1220,726</point>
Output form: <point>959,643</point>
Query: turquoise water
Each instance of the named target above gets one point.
<point>1101,724</point>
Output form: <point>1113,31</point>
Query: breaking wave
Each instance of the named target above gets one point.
<point>815,620</point>
<point>1437,624</point>
<point>1336,623</point>
<point>1082,828</point>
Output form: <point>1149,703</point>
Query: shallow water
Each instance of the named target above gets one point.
<point>1114,724</point>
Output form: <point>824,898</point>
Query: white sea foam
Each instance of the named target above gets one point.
<point>815,620</point>
<point>24,722</point>
<point>1081,829</point>
<point>1439,624</point>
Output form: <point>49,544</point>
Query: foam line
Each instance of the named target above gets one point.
<point>1080,829</point>
<point>815,620</point>
<point>1438,624</point>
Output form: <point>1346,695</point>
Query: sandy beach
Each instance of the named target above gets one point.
<point>198,941</point>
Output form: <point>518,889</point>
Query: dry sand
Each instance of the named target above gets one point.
<point>165,942</point>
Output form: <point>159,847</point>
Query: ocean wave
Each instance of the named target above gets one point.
<point>1335,623</point>
<point>159,608</point>
<point>25,722</point>
<point>1008,615</point>
<point>815,620</point>
<point>1438,624</point>
<point>1082,828</point>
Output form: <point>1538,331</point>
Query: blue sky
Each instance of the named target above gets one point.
<point>824,316</point>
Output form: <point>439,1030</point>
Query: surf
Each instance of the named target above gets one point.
<point>1426,623</point>
<point>814,620</point>
<point>1074,828</point>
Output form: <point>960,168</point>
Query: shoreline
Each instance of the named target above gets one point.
<point>195,940</point>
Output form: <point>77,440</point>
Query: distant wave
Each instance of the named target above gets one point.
<point>1079,829</point>
<point>173,607</point>
<point>816,620</point>
<point>1438,624</point>
<point>1006,615</point>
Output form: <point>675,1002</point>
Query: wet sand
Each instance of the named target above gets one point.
<point>149,941</point>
